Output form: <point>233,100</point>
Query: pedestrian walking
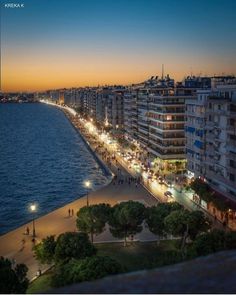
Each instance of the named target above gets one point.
<point>136,184</point>
<point>69,212</point>
<point>72,212</point>
<point>22,244</point>
<point>27,230</point>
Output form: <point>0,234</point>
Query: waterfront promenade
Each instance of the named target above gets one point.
<point>58,221</point>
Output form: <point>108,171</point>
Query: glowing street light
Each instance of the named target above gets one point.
<point>87,185</point>
<point>33,210</point>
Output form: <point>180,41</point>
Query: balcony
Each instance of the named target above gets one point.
<point>144,130</point>
<point>223,181</point>
<point>167,136</point>
<point>143,137</point>
<point>166,155</point>
<point>215,97</point>
<point>231,129</point>
<point>163,144</point>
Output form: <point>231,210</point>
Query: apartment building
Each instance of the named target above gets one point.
<point>115,105</point>
<point>211,137</point>
<point>130,112</point>
<point>160,122</point>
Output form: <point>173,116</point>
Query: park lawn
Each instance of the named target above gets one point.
<point>139,255</point>
<point>136,256</point>
<point>41,284</point>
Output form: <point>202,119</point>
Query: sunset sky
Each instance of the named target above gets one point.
<point>68,43</point>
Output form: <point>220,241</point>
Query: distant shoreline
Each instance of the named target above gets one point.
<point>23,101</point>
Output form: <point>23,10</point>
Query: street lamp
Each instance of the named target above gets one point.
<point>33,210</point>
<point>87,185</point>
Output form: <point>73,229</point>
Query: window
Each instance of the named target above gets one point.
<point>232,137</point>
<point>232,177</point>
<point>232,122</point>
<point>232,163</point>
<point>219,107</point>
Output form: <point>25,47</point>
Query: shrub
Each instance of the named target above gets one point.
<point>73,245</point>
<point>87,269</point>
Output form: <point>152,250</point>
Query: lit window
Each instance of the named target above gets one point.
<point>168,117</point>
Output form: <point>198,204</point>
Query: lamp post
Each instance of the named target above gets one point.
<point>87,185</point>
<point>33,209</point>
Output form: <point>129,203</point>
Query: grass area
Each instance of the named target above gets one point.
<point>135,256</point>
<point>139,256</point>
<point>41,284</point>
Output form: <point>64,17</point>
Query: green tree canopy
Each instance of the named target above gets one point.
<point>93,219</point>
<point>45,250</point>
<point>176,222</point>
<point>126,219</point>
<point>155,216</point>
<point>214,241</point>
<point>209,243</point>
<point>186,224</point>
<point>73,245</point>
<point>87,269</point>
<point>197,223</point>
<point>202,189</point>
<point>12,280</point>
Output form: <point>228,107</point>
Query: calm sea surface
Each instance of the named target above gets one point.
<point>42,160</point>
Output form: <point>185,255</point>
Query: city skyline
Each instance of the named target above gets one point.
<point>59,44</point>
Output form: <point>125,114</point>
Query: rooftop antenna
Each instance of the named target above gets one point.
<point>162,73</point>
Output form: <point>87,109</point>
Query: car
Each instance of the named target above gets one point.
<point>160,180</point>
<point>169,196</point>
<point>168,183</point>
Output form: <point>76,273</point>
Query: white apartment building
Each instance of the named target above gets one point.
<point>211,138</point>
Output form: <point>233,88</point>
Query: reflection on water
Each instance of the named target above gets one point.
<point>42,160</point>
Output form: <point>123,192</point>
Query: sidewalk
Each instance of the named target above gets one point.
<point>58,222</point>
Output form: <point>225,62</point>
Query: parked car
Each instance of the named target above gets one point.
<point>169,196</point>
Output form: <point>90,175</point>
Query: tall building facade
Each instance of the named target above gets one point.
<point>211,138</point>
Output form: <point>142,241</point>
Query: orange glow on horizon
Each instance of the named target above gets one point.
<point>39,72</point>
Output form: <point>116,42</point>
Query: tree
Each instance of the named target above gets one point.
<point>45,250</point>
<point>73,245</point>
<point>214,241</point>
<point>230,240</point>
<point>155,216</point>
<point>202,189</point>
<point>87,269</point>
<point>12,280</point>
<point>186,224</point>
<point>220,204</point>
<point>93,219</point>
<point>208,243</point>
<point>197,223</point>
<point>126,219</point>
